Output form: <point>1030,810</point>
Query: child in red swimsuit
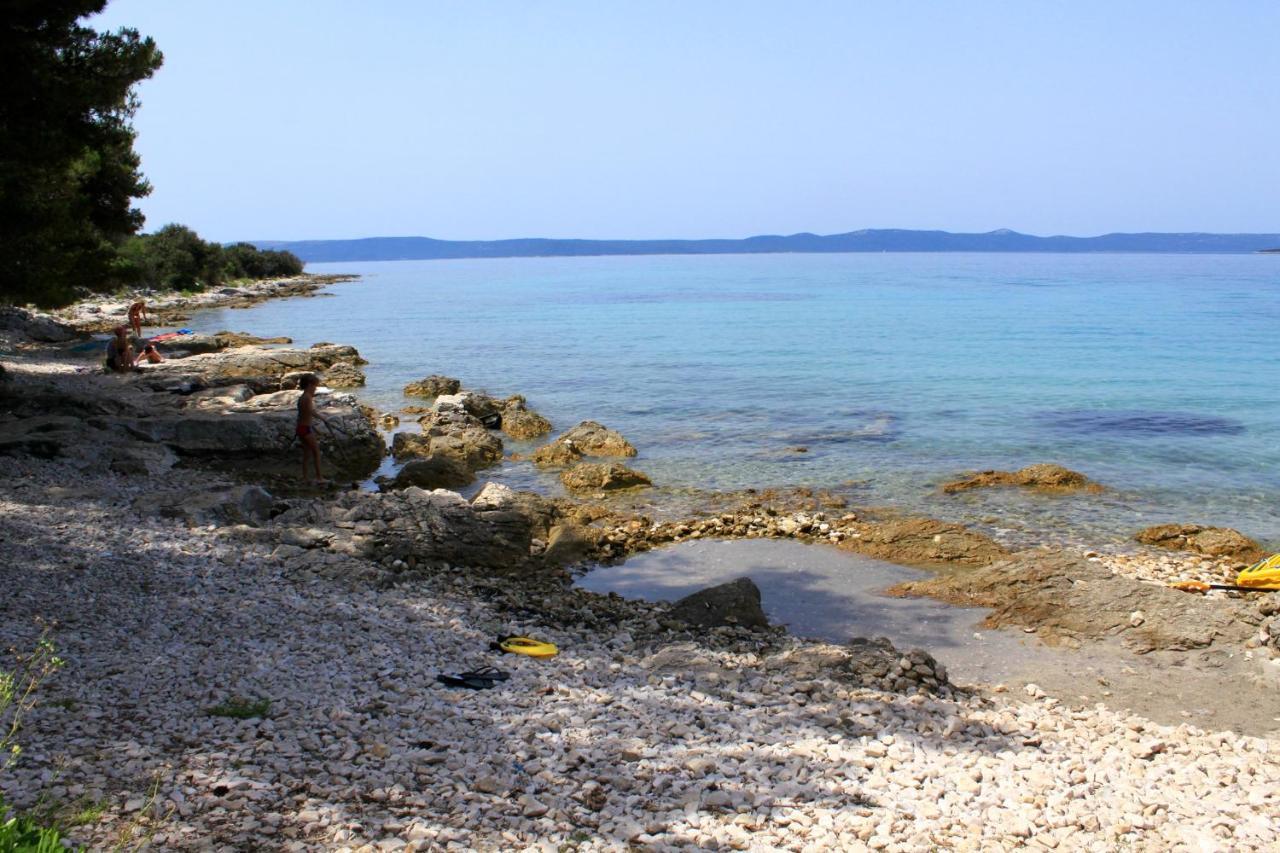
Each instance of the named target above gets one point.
<point>305,430</point>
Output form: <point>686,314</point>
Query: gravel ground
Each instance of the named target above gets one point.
<point>609,744</point>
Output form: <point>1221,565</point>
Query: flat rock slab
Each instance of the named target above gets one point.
<point>1061,595</point>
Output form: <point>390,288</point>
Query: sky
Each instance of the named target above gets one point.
<point>323,119</point>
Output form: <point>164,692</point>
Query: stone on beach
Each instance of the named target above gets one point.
<point>433,472</point>
<point>602,477</point>
<point>1210,541</point>
<point>733,603</point>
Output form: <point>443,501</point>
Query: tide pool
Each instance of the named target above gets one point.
<point>1156,375</point>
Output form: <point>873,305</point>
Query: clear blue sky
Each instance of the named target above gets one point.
<point>285,119</point>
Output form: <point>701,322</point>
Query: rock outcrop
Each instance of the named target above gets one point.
<point>344,375</point>
<point>736,603</point>
<point>414,527</point>
<point>602,477</point>
<point>558,454</point>
<point>925,542</point>
<point>35,326</point>
<point>260,367</point>
<point>1043,477</point>
<point>511,415</point>
<point>450,432</point>
<point>595,439</point>
<point>433,472</point>
<point>433,386</point>
<point>1210,541</point>
<point>1064,596</point>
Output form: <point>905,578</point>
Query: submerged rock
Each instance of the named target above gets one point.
<point>1045,477</point>
<point>925,542</point>
<point>602,477</point>
<point>733,603</point>
<point>595,439</point>
<point>433,386</point>
<point>1210,541</point>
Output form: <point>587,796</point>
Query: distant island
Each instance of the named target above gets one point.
<point>871,240</point>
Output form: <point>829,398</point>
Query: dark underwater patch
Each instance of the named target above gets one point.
<point>1138,423</point>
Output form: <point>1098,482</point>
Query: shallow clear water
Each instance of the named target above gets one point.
<point>1154,374</point>
<point>821,592</point>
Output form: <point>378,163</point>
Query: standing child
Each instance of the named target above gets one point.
<point>305,430</point>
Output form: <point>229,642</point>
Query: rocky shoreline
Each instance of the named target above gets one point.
<point>153,518</point>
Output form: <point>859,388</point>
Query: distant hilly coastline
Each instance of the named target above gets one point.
<point>872,240</point>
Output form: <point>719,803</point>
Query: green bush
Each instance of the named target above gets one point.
<point>23,835</point>
<point>175,258</point>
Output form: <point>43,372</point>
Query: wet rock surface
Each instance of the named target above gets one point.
<point>1043,477</point>
<point>454,433</point>
<point>1065,596</point>
<point>1210,541</point>
<point>733,603</point>
<point>589,477</point>
<point>595,439</point>
<point>433,386</point>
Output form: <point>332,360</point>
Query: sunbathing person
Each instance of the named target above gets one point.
<point>149,354</point>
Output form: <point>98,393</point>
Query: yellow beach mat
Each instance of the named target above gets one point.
<point>526,646</point>
<point>1264,574</point>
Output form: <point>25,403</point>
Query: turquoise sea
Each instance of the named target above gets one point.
<point>1156,375</point>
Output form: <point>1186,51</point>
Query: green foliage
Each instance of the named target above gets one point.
<point>24,835</point>
<point>21,834</point>
<point>68,171</point>
<point>240,708</point>
<point>175,258</point>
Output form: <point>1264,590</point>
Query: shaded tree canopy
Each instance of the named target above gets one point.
<point>175,257</point>
<point>68,171</point>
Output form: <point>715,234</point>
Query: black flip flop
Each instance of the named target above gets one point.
<point>465,680</point>
<point>487,673</point>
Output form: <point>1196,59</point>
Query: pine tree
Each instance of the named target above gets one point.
<point>68,171</point>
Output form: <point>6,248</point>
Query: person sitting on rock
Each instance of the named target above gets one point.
<point>150,354</point>
<point>120,351</point>
<point>137,312</point>
<point>305,430</point>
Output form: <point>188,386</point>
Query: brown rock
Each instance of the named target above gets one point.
<point>432,386</point>
<point>925,542</point>
<point>568,544</point>
<point>733,603</point>
<point>1210,541</point>
<point>522,423</point>
<point>1063,595</point>
<point>344,375</point>
<point>433,472</point>
<point>557,454</point>
<point>595,439</point>
<point>244,339</point>
<point>450,433</point>
<point>1045,477</point>
<point>602,477</point>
